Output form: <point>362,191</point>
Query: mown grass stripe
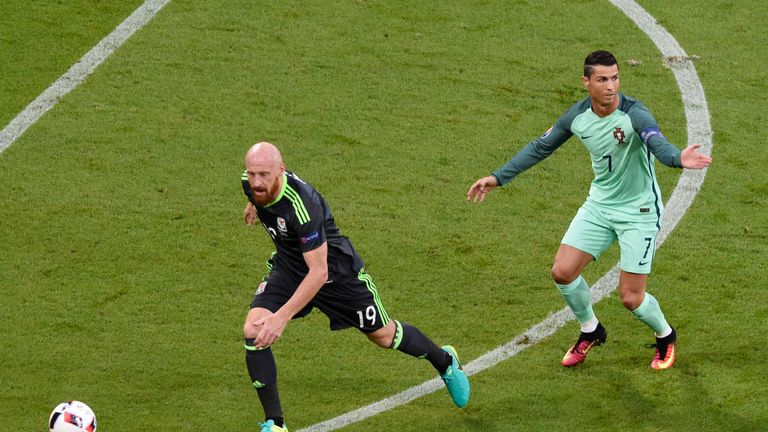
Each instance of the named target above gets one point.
<point>79,71</point>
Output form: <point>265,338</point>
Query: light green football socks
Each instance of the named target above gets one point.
<point>577,296</point>
<point>650,313</point>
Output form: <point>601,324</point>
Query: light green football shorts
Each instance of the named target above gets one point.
<point>593,230</point>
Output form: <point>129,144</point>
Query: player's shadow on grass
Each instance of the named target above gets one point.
<point>684,385</point>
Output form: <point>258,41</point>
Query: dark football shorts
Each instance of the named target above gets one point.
<point>348,299</point>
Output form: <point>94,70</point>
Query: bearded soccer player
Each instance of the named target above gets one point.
<point>624,202</point>
<point>315,266</point>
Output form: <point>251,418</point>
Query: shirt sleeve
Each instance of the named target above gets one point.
<point>536,150</point>
<point>645,125</point>
<point>310,226</point>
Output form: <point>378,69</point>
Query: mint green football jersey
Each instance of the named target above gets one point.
<point>623,147</point>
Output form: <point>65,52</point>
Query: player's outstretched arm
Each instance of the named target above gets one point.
<point>692,158</point>
<point>480,189</point>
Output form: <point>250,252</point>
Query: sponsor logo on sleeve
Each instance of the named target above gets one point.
<point>314,235</point>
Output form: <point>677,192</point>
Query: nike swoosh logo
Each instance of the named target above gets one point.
<point>586,137</point>
<point>642,263</point>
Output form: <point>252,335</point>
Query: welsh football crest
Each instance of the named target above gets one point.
<point>261,288</point>
<point>281,225</point>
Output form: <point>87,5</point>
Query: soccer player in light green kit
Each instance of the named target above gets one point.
<point>624,201</point>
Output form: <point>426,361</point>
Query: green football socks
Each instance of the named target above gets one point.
<point>577,296</point>
<point>650,313</point>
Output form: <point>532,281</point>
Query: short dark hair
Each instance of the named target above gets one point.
<point>602,58</point>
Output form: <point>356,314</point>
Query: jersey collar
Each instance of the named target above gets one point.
<point>282,191</point>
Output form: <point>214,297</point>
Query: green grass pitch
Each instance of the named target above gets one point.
<point>126,272</point>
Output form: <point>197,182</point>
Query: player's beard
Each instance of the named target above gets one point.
<point>263,199</point>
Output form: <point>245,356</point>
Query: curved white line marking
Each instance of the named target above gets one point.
<point>699,131</point>
<point>79,72</point>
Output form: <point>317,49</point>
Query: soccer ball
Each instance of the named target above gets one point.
<point>72,416</point>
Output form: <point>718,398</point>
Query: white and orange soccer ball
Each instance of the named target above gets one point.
<point>72,416</point>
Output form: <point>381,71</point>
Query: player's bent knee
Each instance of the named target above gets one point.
<point>562,275</point>
<point>250,330</point>
<point>631,301</point>
<point>630,304</point>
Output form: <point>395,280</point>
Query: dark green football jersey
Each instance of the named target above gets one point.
<point>300,220</point>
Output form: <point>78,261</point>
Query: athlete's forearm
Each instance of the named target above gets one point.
<point>666,152</point>
<point>308,288</point>
<point>317,275</point>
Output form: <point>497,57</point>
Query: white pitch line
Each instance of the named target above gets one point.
<point>699,131</point>
<point>79,72</point>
